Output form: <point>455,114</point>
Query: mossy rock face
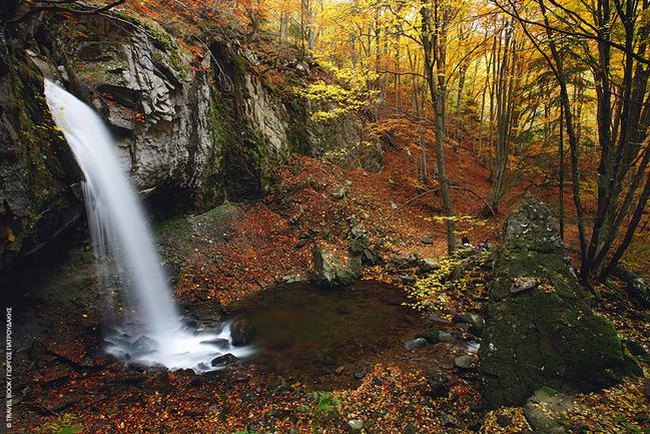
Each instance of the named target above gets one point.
<point>244,172</point>
<point>36,167</point>
<point>341,140</point>
<point>539,330</point>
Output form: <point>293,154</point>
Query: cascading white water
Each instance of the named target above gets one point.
<point>123,246</point>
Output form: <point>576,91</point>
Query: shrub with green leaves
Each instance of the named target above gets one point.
<point>432,290</point>
<point>324,404</point>
<point>65,424</point>
<point>350,94</point>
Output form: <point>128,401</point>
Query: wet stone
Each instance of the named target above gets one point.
<point>415,343</point>
<point>475,324</point>
<point>144,344</point>
<point>439,321</point>
<point>217,342</point>
<point>225,360</point>
<point>408,279</point>
<point>432,336</point>
<point>242,332</point>
<point>446,338</point>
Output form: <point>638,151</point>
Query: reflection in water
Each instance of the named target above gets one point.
<point>307,332</point>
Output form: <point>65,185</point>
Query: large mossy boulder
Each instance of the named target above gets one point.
<point>539,329</point>
<point>334,268</point>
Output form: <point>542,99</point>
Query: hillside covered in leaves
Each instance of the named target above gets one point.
<point>395,216</point>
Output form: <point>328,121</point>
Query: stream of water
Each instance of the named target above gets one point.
<point>150,332</point>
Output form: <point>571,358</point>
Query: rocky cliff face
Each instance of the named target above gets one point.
<point>38,194</point>
<point>191,129</point>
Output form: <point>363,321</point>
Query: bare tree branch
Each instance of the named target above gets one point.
<point>58,6</point>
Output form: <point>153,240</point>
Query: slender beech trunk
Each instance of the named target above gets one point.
<point>561,172</point>
<point>433,42</point>
<point>504,110</point>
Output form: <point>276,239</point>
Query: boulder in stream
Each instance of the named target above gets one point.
<point>539,330</point>
<point>225,360</point>
<point>242,332</point>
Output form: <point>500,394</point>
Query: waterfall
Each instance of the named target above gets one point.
<point>151,332</point>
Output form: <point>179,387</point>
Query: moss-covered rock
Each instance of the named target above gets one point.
<point>340,141</point>
<point>539,329</point>
<point>37,204</point>
<point>259,125</point>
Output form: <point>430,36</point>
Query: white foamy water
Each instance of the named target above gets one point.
<point>152,333</point>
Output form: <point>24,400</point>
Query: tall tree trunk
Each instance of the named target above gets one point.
<point>561,172</point>
<point>433,43</point>
<point>557,66</point>
<point>307,25</point>
<point>504,110</point>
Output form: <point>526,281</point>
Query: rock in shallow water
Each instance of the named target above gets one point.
<point>475,322</point>
<point>242,332</point>
<point>225,360</point>
<point>432,336</point>
<point>415,343</point>
<point>217,342</point>
<point>144,344</point>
